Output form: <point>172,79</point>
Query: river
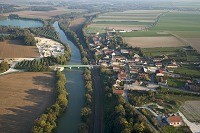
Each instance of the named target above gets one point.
<point>70,120</point>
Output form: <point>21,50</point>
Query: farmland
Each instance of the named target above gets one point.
<point>151,42</point>
<point>127,20</point>
<point>76,23</point>
<point>15,49</point>
<point>24,96</point>
<point>184,25</point>
<point>45,14</point>
<point>191,110</point>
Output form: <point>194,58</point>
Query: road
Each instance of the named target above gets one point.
<point>126,99</point>
<point>98,106</point>
<point>96,125</point>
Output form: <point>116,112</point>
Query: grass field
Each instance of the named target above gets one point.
<point>24,96</point>
<point>153,42</point>
<point>15,49</point>
<point>191,110</point>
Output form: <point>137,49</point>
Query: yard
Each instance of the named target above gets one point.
<point>24,96</point>
<point>170,99</point>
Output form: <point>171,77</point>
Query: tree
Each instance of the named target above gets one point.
<point>85,112</point>
<point>4,66</point>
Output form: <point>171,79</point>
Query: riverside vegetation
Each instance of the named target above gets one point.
<point>47,121</point>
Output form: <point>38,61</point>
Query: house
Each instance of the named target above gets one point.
<point>124,51</point>
<point>122,76</point>
<point>175,121</point>
<point>172,66</point>
<point>118,92</point>
<point>142,75</point>
<point>157,59</point>
<point>116,68</point>
<point>194,88</point>
<point>136,56</point>
<point>158,64</point>
<point>159,73</point>
<point>136,59</point>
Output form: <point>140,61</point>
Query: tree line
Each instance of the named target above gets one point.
<point>42,65</point>
<point>4,66</point>
<point>86,111</point>
<point>47,121</point>
<point>120,116</point>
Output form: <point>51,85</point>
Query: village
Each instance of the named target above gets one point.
<point>133,71</point>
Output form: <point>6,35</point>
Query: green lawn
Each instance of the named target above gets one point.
<point>177,83</point>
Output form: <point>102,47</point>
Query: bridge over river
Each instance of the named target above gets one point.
<point>77,66</point>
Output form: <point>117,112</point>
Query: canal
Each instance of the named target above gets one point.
<point>70,120</point>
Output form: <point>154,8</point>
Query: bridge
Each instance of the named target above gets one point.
<point>77,66</point>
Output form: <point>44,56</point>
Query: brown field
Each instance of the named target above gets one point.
<point>44,14</point>
<point>118,27</point>
<point>14,49</point>
<point>194,42</point>
<point>76,23</point>
<point>191,110</point>
<point>24,96</point>
<point>151,42</point>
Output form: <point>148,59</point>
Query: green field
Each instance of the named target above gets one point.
<point>127,20</point>
<point>170,51</point>
<point>124,22</point>
<point>188,70</point>
<point>144,33</point>
<point>183,24</point>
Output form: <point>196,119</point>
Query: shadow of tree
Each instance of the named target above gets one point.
<point>22,119</point>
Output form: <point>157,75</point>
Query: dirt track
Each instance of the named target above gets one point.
<point>24,96</point>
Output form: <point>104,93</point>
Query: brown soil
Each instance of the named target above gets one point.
<point>15,49</point>
<point>76,23</point>
<point>194,42</point>
<point>24,96</point>
<point>151,42</point>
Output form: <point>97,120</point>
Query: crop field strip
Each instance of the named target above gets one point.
<point>127,20</point>
<point>185,25</point>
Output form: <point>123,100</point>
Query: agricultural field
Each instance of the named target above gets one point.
<point>127,20</point>
<point>24,96</point>
<point>191,110</point>
<point>183,25</point>
<point>16,49</point>
<point>45,14</point>
<point>152,42</point>
<point>76,23</point>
